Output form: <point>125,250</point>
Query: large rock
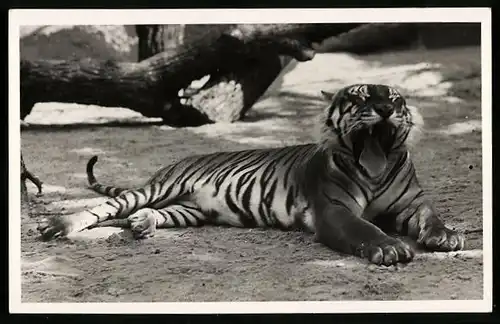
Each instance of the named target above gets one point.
<point>77,42</point>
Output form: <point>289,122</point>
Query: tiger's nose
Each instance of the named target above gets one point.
<point>384,110</point>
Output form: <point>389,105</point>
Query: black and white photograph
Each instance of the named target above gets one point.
<point>250,160</point>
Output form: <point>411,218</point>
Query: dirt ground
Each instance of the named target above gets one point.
<point>229,264</point>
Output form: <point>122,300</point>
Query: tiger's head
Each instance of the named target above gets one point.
<point>368,121</point>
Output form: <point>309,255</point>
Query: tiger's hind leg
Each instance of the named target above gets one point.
<point>144,222</point>
<point>130,205</point>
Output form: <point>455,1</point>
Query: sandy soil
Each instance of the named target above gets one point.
<point>229,264</point>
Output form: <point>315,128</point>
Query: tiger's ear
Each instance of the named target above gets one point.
<point>328,96</point>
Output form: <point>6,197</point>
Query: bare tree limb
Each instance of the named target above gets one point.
<point>151,86</point>
<point>25,174</point>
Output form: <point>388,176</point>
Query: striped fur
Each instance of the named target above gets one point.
<point>358,175</point>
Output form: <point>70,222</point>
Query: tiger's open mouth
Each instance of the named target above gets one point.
<point>382,132</point>
<point>371,145</point>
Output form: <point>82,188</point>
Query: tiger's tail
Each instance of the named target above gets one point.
<point>110,191</point>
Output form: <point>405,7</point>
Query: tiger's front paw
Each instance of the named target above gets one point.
<point>54,227</point>
<point>441,239</point>
<point>388,252</point>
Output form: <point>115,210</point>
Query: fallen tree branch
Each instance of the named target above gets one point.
<point>25,174</point>
<point>151,86</point>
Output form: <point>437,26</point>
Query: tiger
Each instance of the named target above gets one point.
<point>352,188</point>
